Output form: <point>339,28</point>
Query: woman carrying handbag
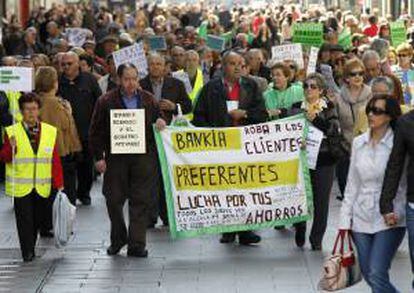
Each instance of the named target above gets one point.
<point>376,241</point>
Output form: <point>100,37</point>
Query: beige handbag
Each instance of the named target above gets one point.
<point>340,270</point>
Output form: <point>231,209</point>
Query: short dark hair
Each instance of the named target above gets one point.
<point>88,59</point>
<point>27,98</point>
<point>392,107</point>
<point>121,69</point>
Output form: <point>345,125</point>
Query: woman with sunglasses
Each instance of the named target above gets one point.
<point>282,98</point>
<point>375,240</point>
<point>321,114</point>
<point>401,70</point>
<point>354,94</point>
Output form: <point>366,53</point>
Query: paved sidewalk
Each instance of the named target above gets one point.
<point>192,265</point>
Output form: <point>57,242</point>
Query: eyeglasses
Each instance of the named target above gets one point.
<point>375,111</point>
<point>310,85</point>
<point>356,73</point>
<point>403,55</point>
<point>66,64</point>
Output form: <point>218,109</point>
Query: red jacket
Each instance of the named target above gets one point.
<point>371,31</point>
<point>6,156</point>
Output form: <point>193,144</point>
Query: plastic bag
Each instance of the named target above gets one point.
<point>64,214</point>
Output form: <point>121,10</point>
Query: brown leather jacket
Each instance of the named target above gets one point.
<point>99,132</point>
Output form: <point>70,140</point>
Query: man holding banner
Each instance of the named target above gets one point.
<point>123,146</point>
<point>231,101</point>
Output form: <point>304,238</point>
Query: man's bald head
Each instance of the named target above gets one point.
<point>9,61</point>
<point>70,65</point>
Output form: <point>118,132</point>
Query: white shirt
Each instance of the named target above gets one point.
<point>360,209</point>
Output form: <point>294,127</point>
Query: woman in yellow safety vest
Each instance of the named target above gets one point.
<point>32,164</point>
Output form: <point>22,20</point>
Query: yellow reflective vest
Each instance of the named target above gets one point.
<point>14,110</point>
<point>198,84</point>
<point>28,170</point>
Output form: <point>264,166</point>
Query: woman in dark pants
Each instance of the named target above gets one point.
<point>321,114</point>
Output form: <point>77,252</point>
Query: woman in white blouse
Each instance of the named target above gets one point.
<point>375,240</point>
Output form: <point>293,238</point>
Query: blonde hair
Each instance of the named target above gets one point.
<point>45,79</point>
<point>351,65</point>
<point>405,47</point>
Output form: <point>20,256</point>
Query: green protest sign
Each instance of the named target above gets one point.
<point>235,179</point>
<point>203,30</point>
<point>398,33</point>
<point>216,43</point>
<point>157,43</point>
<point>345,39</point>
<point>308,34</point>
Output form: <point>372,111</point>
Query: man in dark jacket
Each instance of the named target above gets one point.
<point>403,147</point>
<point>126,176</point>
<point>168,91</point>
<point>82,90</point>
<point>212,110</point>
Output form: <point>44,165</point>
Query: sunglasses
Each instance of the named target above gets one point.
<point>403,55</point>
<point>311,86</point>
<point>357,73</point>
<point>375,111</point>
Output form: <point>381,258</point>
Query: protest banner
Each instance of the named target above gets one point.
<point>77,36</point>
<point>133,54</point>
<point>398,33</point>
<point>235,179</point>
<point>216,43</point>
<point>183,76</point>
<point>308,34</point>
<point>128,131</point>
<point>157,43</point>
<point>313,60</point>
<point>313,144</point>
<point>288,52</point>
<point>16,79</point>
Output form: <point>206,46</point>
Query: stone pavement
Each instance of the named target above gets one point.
<point>192,265</point>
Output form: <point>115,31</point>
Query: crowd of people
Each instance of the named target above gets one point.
<point>360,96</point>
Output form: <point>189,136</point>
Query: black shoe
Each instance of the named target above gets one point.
<point>46,234</point>
<point>280,228</point>
<point>86,201</point>
<point>114,249</point>
<point>300,236</point>
<point>28,257</point>
<point>316,247</point>
<point>340,198</point>
<point>246,238</point>
<point>228,238</point>
<point>134,252</point>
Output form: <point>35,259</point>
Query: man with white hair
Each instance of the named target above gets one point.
<point>372,63</point>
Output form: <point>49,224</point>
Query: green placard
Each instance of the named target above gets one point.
<point>345,39</point>
<point>398,33</point>
<point>202,30</point>
<point>308,34</point>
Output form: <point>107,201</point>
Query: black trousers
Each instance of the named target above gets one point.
<point>158,206</point>
<point>129,177</point>
<point>322,181</point>
<point>69,177</point>
<point>84,169</point>
<point>30,217</point>
<point>342,169</point>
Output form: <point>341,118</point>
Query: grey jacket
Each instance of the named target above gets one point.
<point>348,108</point>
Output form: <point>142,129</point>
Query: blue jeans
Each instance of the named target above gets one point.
<point>375,254</point>
<point>410,230</point>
